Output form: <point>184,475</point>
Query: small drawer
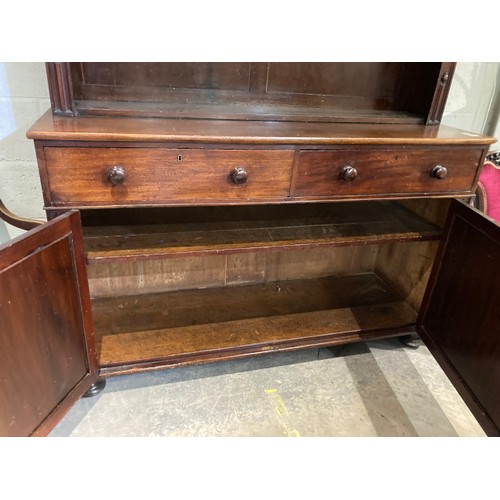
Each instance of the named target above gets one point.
<point>386,172</point>
<point>82,176</point>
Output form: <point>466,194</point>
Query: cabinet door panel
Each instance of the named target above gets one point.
<point>47,355</point>
<point>460,316</point>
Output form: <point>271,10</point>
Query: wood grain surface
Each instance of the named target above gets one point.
<point>460,317</point>
<point>212,342</point>
<point>390,92</point>
<point>254,318</point>
<point>47,355</point>
<point>101,128</point>
<point>382,171</point>
<point>80,175</point>
<point>303,226</point>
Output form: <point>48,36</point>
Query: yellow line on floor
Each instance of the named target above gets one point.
<point>282,413</point>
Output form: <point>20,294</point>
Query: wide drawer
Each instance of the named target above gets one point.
<point>123,176</point>
<point>386,172</point>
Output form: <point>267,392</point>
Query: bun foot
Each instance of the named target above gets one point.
<point>413,341</point>
<point>95,389</point>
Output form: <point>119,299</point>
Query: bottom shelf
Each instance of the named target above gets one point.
<point>142,332</point>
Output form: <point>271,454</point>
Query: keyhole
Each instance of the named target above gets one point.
<point>179,157</point>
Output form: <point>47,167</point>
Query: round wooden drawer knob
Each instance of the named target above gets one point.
<point>239,175</point>
<point>348,173</point>
<point>439,172</point>
<point>116,175</point>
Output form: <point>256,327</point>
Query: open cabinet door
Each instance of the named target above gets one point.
<point>460,316</point>
<point>47,353</point>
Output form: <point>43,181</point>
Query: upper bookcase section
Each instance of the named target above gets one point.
<point>372,92</point>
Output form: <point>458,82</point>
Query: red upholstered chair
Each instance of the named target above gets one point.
<point>488,188</point>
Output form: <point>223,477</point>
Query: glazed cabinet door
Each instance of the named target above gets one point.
<point>47,354</point>
<point>460,316</point>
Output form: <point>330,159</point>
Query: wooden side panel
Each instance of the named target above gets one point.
<point>407,267</point>
<point>460,318</point>
<point>47,353</point>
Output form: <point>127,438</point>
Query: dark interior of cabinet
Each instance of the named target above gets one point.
<point>184,284</point>
<point>376,92</point>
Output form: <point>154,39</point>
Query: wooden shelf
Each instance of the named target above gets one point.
<point>158,330</point>
<point>230,230</point>
<point>347,110</point>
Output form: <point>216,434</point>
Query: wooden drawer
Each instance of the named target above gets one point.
<point>386,172</point>
<point>79,176</point>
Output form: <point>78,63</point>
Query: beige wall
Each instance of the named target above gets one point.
<point>473,105</point>
<point>24,96</point>
<point>474,97</point>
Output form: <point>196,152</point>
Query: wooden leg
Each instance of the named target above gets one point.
<point>96,388</point>
<point>412,340</point>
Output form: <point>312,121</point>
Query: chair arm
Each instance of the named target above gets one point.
<point>16,221</point>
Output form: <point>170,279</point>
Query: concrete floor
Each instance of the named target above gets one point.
<point>375,389</point>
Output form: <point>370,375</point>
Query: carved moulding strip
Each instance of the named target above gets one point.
<point>441,93</point>
<point>61,89</point>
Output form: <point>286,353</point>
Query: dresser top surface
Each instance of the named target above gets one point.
<point>96,128</point>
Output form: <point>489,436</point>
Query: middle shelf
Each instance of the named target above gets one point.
<point>196,231</point>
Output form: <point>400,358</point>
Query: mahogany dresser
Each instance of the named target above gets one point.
<point>209,211</point>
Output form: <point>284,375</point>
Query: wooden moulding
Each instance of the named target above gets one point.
<point>160,330</point>
<point>442,89</point>
<point>306,226</point>
<point>61,89</point>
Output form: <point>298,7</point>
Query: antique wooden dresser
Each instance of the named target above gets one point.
<point>208,211</point>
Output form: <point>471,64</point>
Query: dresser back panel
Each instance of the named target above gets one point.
<point>375,92</point>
